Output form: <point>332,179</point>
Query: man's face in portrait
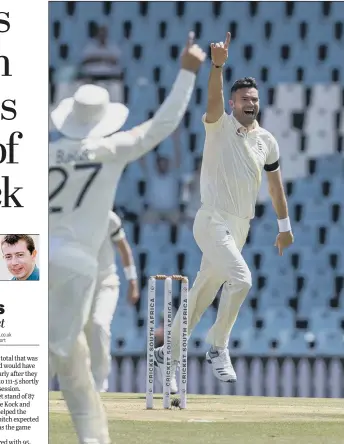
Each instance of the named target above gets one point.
<point>20,261</point>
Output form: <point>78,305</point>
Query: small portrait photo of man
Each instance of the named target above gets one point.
<point>20,257</point>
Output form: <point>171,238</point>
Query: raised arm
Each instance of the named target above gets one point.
<point>215,105</point>
<point>165,121</point>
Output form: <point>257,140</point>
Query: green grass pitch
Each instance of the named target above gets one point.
<point>211,419</point>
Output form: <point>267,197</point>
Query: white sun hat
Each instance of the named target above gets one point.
<point>89,114</point>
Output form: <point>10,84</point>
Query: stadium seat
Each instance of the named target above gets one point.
<point>289,143</point>
<point>294,166</point>
<point>264,234</point>
<point>290,96</point>
<point>324,318</point>
<point>184,236</point>
<point>276,120</point>
<point>154,234</point>
<point>341,124</point>
<point>319,119</point>
<point>293,343</point>
<point>318,262</point>
<point>274,283</point>
<point>330,342</point>
<point>311,298</point>
<point>329,166</point>
<point>316,214</point>
<point>336,235</point>
<point>337,184</point>
<point>254,343</point>
<point>277,320</point>
<point>320,142</point>
<point>326,93</point>
<point>272,299</point>
<point>305,235</point>
<point>306,190</point>
<point>245,320</point>
<point>320,281</point>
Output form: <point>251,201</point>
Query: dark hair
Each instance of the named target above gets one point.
<point>12,239</point>
<point>245,82</point>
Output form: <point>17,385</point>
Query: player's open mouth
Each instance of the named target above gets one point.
<point>249,112</point>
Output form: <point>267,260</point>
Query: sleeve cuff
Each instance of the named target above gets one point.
<point>213,125</point>
<point>118,235</point>
<point>186,76</point>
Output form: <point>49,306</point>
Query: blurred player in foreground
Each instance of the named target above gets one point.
<point>85,166</point>
<point>98,328</point>
<point>236,151</point>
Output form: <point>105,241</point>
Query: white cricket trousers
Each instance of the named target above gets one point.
<point>98,329</point>
<point>221,238</point>
<point>70,299</point>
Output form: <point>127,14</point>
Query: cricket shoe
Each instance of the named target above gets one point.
<point>159,365</point>
<point>222,365</point>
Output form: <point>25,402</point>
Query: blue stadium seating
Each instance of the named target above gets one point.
<point>296,52</point>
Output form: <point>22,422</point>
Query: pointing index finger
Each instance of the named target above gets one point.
<point>191,38</point>
<point>228,39</point>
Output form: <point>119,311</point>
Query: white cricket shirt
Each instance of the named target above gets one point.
<point>233,160</point>
<point>83,176</point>
<point>82,192</point>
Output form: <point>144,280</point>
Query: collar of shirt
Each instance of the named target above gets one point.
<point>34,276</point>
<point>241,129</point>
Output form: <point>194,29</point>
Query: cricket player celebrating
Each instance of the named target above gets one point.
<point>85,166</point>
<point>98,327</point>
<point>236,151</point>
